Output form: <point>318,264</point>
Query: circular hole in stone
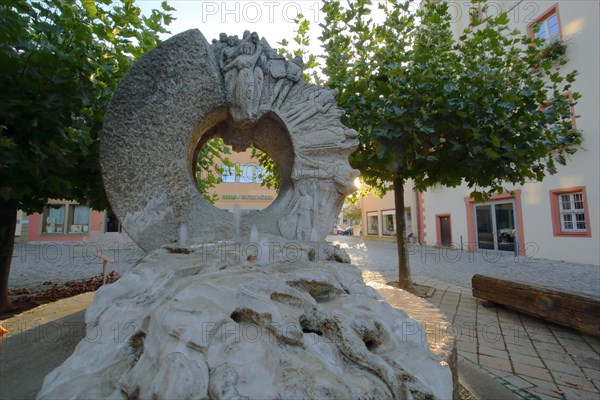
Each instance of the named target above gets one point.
<point>268,139</point>
<point>229,178</point>
<point>371,343</point>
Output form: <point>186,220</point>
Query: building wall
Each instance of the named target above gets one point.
<point>97,222</point>
<point>581,32</point>
<point>373,205</point>
<point>248,195</point>
<point>536,233</point>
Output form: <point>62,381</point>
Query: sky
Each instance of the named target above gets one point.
<point>273,20</point>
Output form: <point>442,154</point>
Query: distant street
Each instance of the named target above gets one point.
<point>378,261</point>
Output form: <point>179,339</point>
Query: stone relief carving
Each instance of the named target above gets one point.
<point>240,89</point>
<point>258,81</point>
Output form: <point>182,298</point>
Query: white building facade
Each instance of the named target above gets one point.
<point>558,218</point>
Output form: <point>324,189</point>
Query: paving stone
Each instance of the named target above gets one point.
<point>541,337</point>
<point>593,342</point>
<point>532,372</point>
<point>497,373</point>
<point>585,362</point>
<point>495,362</point>
<point>578,381</point>
<point>518,382</point>
<point>528,360</point>
<point>493,352</point>
<point>575,394</point>
<point>543,392</point>
<point>564,367</point>
<point>491,339</point>
<point>594,376</point>
<point>466,346</point>
<point>469,356</point>
<point>557,355</point>
<point>521,349</point>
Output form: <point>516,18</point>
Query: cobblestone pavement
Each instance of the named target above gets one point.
<point>532,358</point>
<point>60,262</point>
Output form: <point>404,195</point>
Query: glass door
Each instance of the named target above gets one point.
<point>496,228</point>
<point>505,226</point>
<point>485,229</point>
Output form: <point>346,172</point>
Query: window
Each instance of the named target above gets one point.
<point>569,212</point>
<point>65,219</point>
<point>244,173</point>
<point>389,222</point>
<point>228,173</point>
<point>548,26</point>
<point>53,219</point>
<point>372,223</point>
<point>572,213</point>
<point>79,219</point>
<point>248,173</point>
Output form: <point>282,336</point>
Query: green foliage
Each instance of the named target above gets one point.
<point>352,212</point>
<point>269,174</point>
<point>485,110</point>
<point>59,64</point>
<point>301,42</point>
<point>212,163</point>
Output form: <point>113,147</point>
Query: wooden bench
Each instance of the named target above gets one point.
<point>575,310</point>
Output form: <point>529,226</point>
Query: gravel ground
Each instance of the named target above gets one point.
<point>60,262</point>
<point>36,263</point>
<point>379,259</point>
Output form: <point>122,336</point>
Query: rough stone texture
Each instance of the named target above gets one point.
<point>185,92</point>
<point>199,326</point>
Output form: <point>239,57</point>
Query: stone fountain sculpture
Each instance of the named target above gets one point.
<point>198,317</point>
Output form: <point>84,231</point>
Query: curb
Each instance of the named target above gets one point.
<point>480,384</point>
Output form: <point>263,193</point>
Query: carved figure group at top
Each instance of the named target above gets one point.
<point>244,64</point>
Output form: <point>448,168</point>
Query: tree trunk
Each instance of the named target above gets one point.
<point>8,222</point>
<point>404,279</point>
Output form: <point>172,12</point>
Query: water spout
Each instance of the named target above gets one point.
<point>237,218</point>
<point>254,234</point>
<point>313,235</point>
<point>182,235</point>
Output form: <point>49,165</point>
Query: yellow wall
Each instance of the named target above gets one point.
<point>249,196</point>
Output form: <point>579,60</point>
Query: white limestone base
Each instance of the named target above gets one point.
<point>200,326</point>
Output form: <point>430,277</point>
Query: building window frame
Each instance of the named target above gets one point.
<point>559,210</point>
<point>543,20</point>
<point>248,173</point>
<point>373,229</point>
<point>384,219</point>
<point>63,222</point>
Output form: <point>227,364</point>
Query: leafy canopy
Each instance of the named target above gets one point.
<point>486,109</point>
<point>60,62</point>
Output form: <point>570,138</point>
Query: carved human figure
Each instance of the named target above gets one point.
<point>340,173</point>
<point>248,83</point>
<point>304,211</point>
<point>319,101</point>
<point>293,73</point>
<point>221,43</point>
<point>228,54</point>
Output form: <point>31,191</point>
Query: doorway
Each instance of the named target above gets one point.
<point>112,223</point>
<point>496,226</point>
<point>445,230</point>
